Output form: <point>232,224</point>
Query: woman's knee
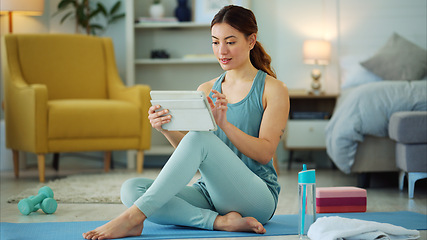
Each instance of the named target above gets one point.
<point>197,137</point>
<point>266,213</point>
<point>265,218</point>
<point>134,188</point>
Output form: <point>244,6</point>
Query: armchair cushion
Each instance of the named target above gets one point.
<point>93,119</point>
<point>408,127</point>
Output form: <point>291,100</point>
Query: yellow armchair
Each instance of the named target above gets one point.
<point>63,93</point>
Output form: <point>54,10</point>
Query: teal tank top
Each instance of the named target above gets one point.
<point>247,116</point>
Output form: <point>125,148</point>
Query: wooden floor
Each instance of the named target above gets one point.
<point>380,198</point>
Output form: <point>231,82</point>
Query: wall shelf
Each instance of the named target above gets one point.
<point>171,25</point>
<point>191,61</point>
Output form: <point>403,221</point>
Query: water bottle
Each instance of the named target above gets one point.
<point>306,200</point>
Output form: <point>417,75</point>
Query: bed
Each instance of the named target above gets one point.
<point>357,134</point>
<point>382,70</point>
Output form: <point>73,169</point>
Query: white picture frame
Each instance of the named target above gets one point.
<point>205,10</point>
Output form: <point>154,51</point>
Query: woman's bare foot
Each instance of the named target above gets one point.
<point>234,222</point>
<point>128,224</point>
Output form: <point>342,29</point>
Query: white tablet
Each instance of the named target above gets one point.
<point>190,110</point>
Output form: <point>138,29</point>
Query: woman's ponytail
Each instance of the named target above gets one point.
<point>261,60</point>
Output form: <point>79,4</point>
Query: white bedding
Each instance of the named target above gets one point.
<point>366,109</point>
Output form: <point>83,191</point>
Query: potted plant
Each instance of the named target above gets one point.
<point>157,10</point>
<point>87,13</point>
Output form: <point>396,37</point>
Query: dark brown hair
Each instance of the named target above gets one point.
<point>244,21</point>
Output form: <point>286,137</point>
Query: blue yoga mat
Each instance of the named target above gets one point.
<point>278,225</point>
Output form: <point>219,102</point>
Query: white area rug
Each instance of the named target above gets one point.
<point>93,188</point>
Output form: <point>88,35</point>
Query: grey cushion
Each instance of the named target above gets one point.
<point>408,127</point>
<point>398,59</point>
<point>411,157</point>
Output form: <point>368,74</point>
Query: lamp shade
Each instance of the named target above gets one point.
<point>317,52</point>
<point>28,7</point>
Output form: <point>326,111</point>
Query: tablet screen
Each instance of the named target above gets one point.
<point>190,110</point>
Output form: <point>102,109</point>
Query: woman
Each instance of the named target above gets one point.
<point>238,190</point>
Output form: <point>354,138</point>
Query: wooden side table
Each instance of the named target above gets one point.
<point>308,133</point>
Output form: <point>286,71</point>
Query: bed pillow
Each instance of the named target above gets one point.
<point>353,74</point>
<point>398,59</point>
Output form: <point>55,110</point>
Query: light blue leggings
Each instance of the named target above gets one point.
<point>231,185</point>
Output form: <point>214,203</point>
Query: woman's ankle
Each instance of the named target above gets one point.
<point>234,222</point>
<point>220,223</point>
<point>136,215</point>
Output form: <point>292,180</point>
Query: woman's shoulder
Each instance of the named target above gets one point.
<point>275,91</point>
<point>207,86</point>
<point>275,86</point>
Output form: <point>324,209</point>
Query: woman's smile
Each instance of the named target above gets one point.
<point>225,60</point>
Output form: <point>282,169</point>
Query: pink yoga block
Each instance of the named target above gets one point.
<point>340,199</point>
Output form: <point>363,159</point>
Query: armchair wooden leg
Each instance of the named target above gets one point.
<point>107,161</point>
<point>41,161</point>
<point>139,161</point>
<point>16,162</point>
<point>276,164</point>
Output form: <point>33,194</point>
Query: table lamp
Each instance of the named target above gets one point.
<point>317,52</point>
<point>26,7</point>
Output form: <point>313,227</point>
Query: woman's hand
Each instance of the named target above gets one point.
<point>219,109</point>
<point>158,118</point>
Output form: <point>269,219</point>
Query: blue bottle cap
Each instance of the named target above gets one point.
<point>307,176</point>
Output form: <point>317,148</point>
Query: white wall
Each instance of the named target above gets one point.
<point>283,27</point>
<point>297,21</point>
<point>365,28</point>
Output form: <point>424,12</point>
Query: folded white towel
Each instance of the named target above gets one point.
<point>338,228</point>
